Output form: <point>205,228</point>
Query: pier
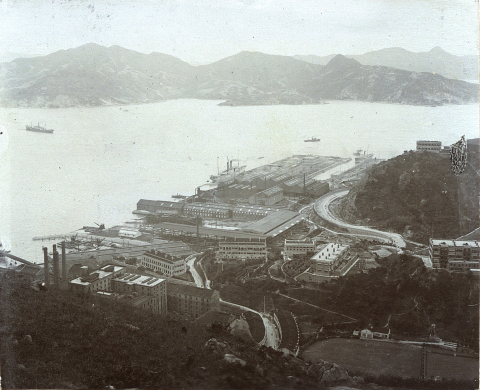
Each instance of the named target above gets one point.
<point>52,237</point>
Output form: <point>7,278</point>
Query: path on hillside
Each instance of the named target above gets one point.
<point>272,337</point>
<point>318,307</point>
<point>322,208</point>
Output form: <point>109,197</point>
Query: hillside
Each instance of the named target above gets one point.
<point>417,195</point>
<point>93,75</point>
<point>436,60</point>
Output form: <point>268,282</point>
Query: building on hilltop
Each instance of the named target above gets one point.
<point>99,280</point>
<point>331,261</point>
<point>233,248</point>
<point>139,286</point>
<point>429,146</point>
<point>190,300</point>
<point>454,255</point>
<point>164,263</point>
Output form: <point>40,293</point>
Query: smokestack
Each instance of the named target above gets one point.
<point>64,263</point>
<point>56,270</point>
<point>46,267</point>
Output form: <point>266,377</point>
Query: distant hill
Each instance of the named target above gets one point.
<point>435,61</point>
<point>417,194</point>
<point>93,75</point>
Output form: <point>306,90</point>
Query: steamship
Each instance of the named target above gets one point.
<point>39,129</point>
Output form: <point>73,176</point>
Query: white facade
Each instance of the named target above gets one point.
<point>164,263</point>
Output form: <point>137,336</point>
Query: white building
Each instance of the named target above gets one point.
<point>164,263</point>
<point>129,233</point>
<point>429,146</point>
<point>454,255</point>
<point>141,287</point>
<point>99,280</point>
<point>333,260</point>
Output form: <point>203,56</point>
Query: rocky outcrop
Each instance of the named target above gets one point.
<point>417,195</point>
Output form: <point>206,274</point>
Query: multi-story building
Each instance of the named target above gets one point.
<point>333,260</point>
<point>242,249</point>
<point>139,286</point>
<point>429,146</point>
<point>164,263</point>
<point>191,300</point>
<point>298,247</point>
<point>454,255</point>
<point>99,280</point>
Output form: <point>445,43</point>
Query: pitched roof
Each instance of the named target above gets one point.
<point>189,290</point>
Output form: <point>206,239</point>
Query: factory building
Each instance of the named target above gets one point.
<point>159,206</point>
<point>242,249</point>
<point>298,247</point>
<point>139,287</point>
<point>454,255</point>
<point>99,280</point>
<point>429,146</point>
<point>208,210</point>
<point>164,263</point>
<point>267,197</point>
<point>191,300</point>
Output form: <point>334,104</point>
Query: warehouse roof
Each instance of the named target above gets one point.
<point>275,223</point>
<point>161,203</point>
<point>207,231</point>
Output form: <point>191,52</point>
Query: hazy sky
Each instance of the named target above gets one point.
<point>200,31</point>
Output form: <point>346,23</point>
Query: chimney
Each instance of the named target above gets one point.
<point>56,270</point>
<point>64,263</point>
<point>46,267</point>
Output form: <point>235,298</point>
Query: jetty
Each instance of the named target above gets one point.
<point>52,237</point>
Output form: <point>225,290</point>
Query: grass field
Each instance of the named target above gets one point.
<point>384,358</point>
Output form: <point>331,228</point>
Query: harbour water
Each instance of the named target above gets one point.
<point>100,161</point>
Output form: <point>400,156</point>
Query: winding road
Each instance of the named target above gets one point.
<point>322,208</point>
<point>271,339</point>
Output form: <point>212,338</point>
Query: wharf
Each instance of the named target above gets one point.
<point>52,237</point>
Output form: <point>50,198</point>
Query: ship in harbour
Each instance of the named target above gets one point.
<point>228,176</point>
<point>313,139</point>
<point>39,129</point>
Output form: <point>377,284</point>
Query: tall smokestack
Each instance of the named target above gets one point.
<point>64,263</point>
<point>56,270</point>
<point>45,267</point>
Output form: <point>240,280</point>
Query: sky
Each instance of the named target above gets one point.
<point>203,31</point>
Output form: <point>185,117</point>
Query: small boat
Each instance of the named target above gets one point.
<point>178,196</point>
<point>39,129</point>
<point>313,139</point>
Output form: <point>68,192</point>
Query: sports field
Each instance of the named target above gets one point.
<point>385,358</point>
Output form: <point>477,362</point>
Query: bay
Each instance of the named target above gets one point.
<point>100,161</point>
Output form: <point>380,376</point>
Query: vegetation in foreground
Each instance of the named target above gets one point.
<point>89,342</point>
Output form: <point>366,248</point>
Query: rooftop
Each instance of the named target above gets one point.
<point>329,252</point>
<point>454,242</point>
<point>275,223</point>
<point>190,290</point>
<point>141,280</point>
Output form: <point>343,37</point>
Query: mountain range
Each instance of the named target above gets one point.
<point>93,75</point>
<point>436,60</point>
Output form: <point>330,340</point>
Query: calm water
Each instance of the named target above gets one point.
<point>100,161</point>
